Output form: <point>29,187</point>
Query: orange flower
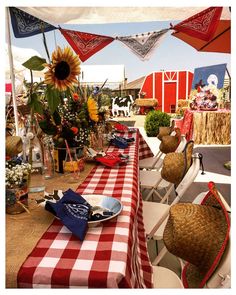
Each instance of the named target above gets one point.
<point>75,130</point>
<point>75,96</point>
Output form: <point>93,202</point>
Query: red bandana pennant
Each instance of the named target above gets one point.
<point>201,25</point>
<point>85,44</point>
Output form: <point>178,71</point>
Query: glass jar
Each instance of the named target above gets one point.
<point>48,158</point>
<point>34,156</point>
<point>17,199</point>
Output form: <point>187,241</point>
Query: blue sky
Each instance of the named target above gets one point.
<point>173,54</point>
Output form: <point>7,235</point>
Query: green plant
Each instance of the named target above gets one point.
<point>154,120</point>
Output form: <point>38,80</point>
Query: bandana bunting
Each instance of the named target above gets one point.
<point>85,44</point>
<point>202,25</point>
<point>26,25</point>
<point>144,44</point>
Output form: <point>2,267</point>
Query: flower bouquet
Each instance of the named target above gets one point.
<point>66,111</point>
<point>16,179</point>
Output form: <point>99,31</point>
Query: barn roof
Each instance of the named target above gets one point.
<point>135,84</point>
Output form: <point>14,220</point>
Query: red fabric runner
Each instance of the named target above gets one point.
<point>85,44</point>
<point>186,125</point>
<point>201,25</point>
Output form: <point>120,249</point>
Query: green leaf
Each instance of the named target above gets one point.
<point>47,127</point>
<point>35,63</point>
<point>53,98</point>
<point>35,103</point>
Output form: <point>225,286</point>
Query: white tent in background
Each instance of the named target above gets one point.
<point>98,74</point>
<point>21,55</point>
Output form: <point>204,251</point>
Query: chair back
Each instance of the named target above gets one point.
<point>188,178</point>
<point>182,144</point>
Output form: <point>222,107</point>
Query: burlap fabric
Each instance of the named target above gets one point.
<point>198,234</point>
<point>176,165</point>
<point>24,230</point>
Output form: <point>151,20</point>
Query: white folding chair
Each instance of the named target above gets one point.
<point>156,161</point>
<point>151,183</point>
<point>152,210</point>
<point>221,277</point>
<point>164,278</point>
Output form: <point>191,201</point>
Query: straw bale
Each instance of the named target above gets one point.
<point>212,127</point>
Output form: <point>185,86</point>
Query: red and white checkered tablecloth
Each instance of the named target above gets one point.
<point>112,255</point>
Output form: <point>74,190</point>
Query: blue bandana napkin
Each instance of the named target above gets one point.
<point>73,210</point>
<point>121,142</point>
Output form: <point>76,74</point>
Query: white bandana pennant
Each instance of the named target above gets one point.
<point>144,44</point>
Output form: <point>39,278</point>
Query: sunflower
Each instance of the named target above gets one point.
<point>92,109</point>
<point>63,70</point>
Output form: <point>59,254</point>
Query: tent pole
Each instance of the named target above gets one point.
<point>12,71</point>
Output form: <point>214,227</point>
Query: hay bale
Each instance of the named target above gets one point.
<point>212,127</point>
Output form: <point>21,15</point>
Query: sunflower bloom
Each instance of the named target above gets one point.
<point>92,109</point>
<point>63,70</point>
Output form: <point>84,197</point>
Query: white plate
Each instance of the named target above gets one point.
<point>105,202</point>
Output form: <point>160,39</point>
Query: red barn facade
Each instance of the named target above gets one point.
<point>168,87</point>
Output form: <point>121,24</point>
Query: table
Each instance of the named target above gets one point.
<point>112,255</point>
<point>24,230</point>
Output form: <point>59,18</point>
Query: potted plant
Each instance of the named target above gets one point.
<point>154,120</point>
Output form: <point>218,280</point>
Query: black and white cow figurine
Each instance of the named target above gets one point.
<point>121,104</point>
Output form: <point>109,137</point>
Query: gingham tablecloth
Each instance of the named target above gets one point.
<point>113,254</point>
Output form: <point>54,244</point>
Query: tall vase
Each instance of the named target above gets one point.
<point>34,156</point>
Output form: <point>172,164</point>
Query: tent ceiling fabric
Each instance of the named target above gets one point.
<point>102,15</point>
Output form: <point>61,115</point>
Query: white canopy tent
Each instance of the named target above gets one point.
<point>102,15</point>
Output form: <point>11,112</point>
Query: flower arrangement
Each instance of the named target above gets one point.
<point>16,173</point>
<point>66,111</point>
<point>204,97</point>
<point>71,121</point>
<point>16,182</point>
